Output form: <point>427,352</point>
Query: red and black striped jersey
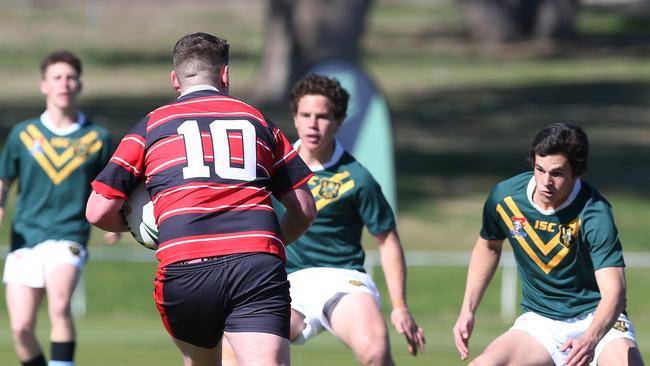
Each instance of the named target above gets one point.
<point>211,164</point>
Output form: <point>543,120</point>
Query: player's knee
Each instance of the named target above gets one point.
<point>374,353</point>
<point>22,331</point>
<point>60,313</point>
<point>620,352</point>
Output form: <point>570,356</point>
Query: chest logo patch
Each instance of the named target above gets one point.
<point>546,253</point>
<point>518,224</point>
<point>80,149</point>
<point>567,238</point>
<point>329,189</point>
<point>71,153</point>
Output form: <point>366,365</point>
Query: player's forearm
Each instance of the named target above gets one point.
<point>611,282</point>
<point>482,265</point>
<point>605,315</point>
<point>301,212</point>
<point>293,224</point>
<point>105,213</point>
<point>394,266</point>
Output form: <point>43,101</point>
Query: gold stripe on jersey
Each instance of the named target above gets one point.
<point>38,156</point>
<point>338,178</point>
<point>531,235</point>
<point>56,158</point>
<point>545,248</point>
<point>59,166</point>
<point>322,202</point>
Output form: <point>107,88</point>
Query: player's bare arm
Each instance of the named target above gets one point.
<point>301,212</point>
<point>482,265</point>
<point>394,266</point>
<point>105,213</point>
<point>4,189</point>
<point>611,282</point>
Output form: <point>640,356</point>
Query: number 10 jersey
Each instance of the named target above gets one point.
<point>211,164</point>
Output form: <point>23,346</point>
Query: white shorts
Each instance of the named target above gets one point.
<point>553,333</point>
<point>29,266</point>
<point>312,288</point>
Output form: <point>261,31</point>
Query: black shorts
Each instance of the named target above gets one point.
<point>246,292</point>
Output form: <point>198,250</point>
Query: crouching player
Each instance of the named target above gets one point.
<point>569,258</point>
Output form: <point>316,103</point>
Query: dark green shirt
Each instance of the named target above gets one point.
<point>348,198</point>
<point>556,251</point>
<point>54,172</point>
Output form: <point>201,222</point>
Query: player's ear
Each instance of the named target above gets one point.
<point>175,83</point>
<point>224,77</point>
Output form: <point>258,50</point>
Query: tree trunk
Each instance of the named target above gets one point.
<point>300,34</point>
<point>497,21</point>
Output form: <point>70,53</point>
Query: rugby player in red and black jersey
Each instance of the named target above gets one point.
<point>211,164</point>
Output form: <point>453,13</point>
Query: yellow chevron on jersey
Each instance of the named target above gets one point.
<point>328,190</point>
<point>59,166</point>
<point>564,239</point>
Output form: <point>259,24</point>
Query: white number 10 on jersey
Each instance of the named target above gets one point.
<point>219,130</point>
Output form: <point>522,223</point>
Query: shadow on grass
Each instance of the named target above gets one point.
<point>466,140</point>
<point>459,142</point>
<point>618,29</point>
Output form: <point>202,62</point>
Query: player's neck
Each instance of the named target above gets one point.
<point>316,157</point>
<point>62,118</point>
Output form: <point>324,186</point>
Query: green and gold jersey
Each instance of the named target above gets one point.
<point>556,251</point>
<point>54,170</point>
<point>348,198</point>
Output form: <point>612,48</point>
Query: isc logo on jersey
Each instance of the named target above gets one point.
<point>138,213</point>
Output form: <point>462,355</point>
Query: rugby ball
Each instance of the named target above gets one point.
<point>138,213</point>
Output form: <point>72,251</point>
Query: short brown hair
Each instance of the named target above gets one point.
<point>314,84</point>
<point>560,138</point>
<point>199,53</point>
<point>64,56</point>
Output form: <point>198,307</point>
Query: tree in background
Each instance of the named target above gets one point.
<point>299,34</point>
<point>498,21</point>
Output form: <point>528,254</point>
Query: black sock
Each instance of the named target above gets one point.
<point>36,361</point>
<point>63,351</point>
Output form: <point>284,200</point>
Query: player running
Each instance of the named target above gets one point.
<point>54,157</point>
<point>212,163</point>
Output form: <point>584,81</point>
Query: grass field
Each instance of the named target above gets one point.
<point>122,326</point>
<point>463,116</point>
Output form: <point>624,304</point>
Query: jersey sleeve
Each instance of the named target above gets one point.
<point>490,229</point>
<point>125,168</point>
<point>108,147</point>
<point>374,209</point>
<point>601,234</point>
<point>289,170</point>
<point>10,157</point>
